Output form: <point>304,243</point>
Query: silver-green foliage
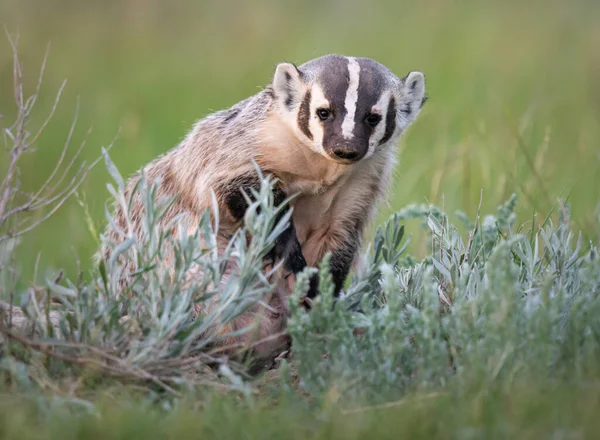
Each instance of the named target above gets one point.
<point>502,306</point>
<point>136,316</point>
<point>497,306</point>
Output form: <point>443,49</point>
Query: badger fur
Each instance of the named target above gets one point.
<point>326,130</point>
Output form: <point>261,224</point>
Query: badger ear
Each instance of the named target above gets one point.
<point>412,96</point>
<point>288,85</point>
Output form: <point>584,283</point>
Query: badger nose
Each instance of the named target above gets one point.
<point>346,154</point>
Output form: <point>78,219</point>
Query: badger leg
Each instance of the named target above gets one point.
<point>343,242</point>
<point>286,246</point>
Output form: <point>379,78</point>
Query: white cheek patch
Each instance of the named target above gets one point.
<point>351,98</point>
<point>315,125</point>
<point>380,108</point>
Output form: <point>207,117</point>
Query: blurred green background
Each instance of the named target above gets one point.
<point>514,91</point>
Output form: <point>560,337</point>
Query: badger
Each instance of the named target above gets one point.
<point>326,130</point>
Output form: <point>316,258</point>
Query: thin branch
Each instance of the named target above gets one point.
<point>47,120</point>
<point>33,99</point>
<point>128,371</point>
<point>49,214</point>
<point>72,162</point>
<point>61,158</point>
<point>60,199</point>
<point>30,206</point>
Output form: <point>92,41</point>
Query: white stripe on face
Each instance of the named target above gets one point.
<point>315,126</point>
<point>351,98</point>
<point>380,108</point>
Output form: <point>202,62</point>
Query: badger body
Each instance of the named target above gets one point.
<point>326,130</point>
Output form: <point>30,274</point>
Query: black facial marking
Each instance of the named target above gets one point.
<point>304,115</point>
<point>371,85</point>
<point>390,121</point>
<point>334,81</point>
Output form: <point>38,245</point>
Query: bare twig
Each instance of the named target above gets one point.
<point>22,210</point>
<point>52,194</point>
<point>124,371</point>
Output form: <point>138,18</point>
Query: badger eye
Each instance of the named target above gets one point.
<point>372,120</point>
<point>323,113</point>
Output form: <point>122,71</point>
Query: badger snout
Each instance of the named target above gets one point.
<point>347,151</point>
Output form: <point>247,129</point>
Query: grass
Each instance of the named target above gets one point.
<point>528,411</point>
<point>496,336</point>
<point>505,346</point>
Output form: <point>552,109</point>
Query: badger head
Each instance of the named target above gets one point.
<point>346,108</point>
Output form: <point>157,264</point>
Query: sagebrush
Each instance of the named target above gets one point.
<point>492,304</point>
